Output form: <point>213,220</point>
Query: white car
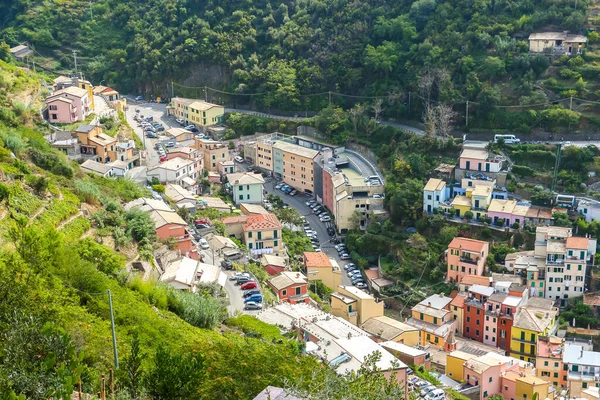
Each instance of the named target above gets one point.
<point>238,159</point>
<point>325,218</point>
<point>437,394</point>
<point>203,244</point>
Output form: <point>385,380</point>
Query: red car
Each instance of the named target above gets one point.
<point>249,285</point>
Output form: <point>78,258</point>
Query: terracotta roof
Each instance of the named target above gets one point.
<point>386,328</point>
<point>245,178</point>
<point>72,90</point>
<point>235,220</point>
<point>287,279</point>
<point>539,212</point>
<point>458,301</point>
<point>259,222</point>
<point>371,273</point>
<point>475,280</point>
<point>63,99</point>
<point>503,206</point>
<point>580,243</point>
<point>316,260</point>
<point>467,244</point>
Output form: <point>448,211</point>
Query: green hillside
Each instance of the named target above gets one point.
<point>467,50</point>
<point>65,241</point>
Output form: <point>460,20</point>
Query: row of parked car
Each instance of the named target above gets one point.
<point>355,275</point>
<point>425,389</point>
<point>287,189</point>
<point>253,297</point>
<point>190,127</point>
<point>320,212</point>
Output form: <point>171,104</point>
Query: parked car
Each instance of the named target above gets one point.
<point>330,231</point>
<point>345,256</point>
<point>348,266</point>
<point>293,192</point>
<point>151,135</point>
<point>203,244</point>
<point>249,285</point>
<point>437,394</point>
<point>180,121</point>
<point>361,285</point>
<point>357,279</point>
<point>427,389</point>
<point>340,246</point>
<point>139,98</point>
<point>253,306</point>
<point>238,275</point>
<point>191,128</point>
<point>238,159</point>
<point>149,118</point>
<point>242,280</point>
<point>326,218</point>
<point>279,186</point>
<point>255,298</point>
<point>226,264</point>
<point>250,292</point>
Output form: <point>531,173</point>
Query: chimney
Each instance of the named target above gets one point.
<point>581,355</point>
<point>442,294</point>
<point>429,303</point>
<point>297,275</point>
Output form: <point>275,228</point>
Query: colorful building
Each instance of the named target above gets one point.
<point>68,105</point>
<point>384,328</point>
<point>548,360</point>
<point>246,187</point>
<point>536,318</point>
<point>290,287</point>
<point>434,193</point>
<point>434,320</point>
<point>213,152</point>
<point>94,142</point>
<point>466,257</point>
<point>475,159</point>
<point>355,305</point>
<point>582,366</point>
<point>262,234</point>
<point>475,312</point>
<point>320,268</point>
<point>298,169</point>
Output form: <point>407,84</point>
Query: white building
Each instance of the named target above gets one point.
<point>557,267</point>
<point>246,187</point>
<point>589,209</point>
<point>184,273</point>
<point>434,193</point>
<point>181,197</point>
<point>177,170</point>
<point>105,170</point>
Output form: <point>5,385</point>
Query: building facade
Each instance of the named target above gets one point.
<point>466,257</point>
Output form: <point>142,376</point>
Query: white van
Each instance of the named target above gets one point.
<point>437,394</point>
<point>508,139</point>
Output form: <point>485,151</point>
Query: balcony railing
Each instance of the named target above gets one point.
<point>524,341</point>
<point>558,261</point>
<point>469,260</point>
<point>352,313</point>
<point>523,353</point>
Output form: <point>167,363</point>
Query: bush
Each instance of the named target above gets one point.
<point>486,233</point>
<point>523,170</point>
<point>469,215</point>
<point>254,327</point>
<point>87,191</point>
<point>516,225</point>
<point>200,311</point>
<point>51,162</point>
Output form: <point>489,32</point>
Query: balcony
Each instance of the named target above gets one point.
<point>523,353</point>
<point>558,261</point>
<point>532,342</point>
<point>469,260</point>
<point>583,376</point>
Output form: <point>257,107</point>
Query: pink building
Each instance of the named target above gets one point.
<point>479,159</point>
<point>466,257</point>
<point>486,371</point>
<point>68,105</point>
<point>508,210</point>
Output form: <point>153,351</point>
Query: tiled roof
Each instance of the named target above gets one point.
<point>312,259</point>
<point>287,279</point>
<point>534,319</point>
<point>579,243</point>
<point>245,178</point>
<point>458,301</point>
<point>296,149</point>
<point>503,206</point>
<point>386,327</point>
<point>474,154</point>
<point>434,184</point>
<point>72,90</point>
<point>84,128</point>
<point>235,220</point>
<point>260,222</point>
<point>475,280</point>
<point>467,244</point>
<point>96,167</point>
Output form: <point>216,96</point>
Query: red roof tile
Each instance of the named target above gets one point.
<point>577,243</point>
<point>260,222</point>
<point>316,260</point>
<point>467,244</point>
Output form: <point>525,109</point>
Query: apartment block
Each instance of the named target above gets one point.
<point>434,320</point>
<point>298,169</point>
<point>434,193</point>
<point>262,235</point>
<point>548,360</point>
<point>213,152</point>
<point>582,366</point>
<point>320,268</point>
<point>537,318</point>
<point>466,257</point>
<point>197,112</point>
<point>556,268</point>
<point>355,305</point>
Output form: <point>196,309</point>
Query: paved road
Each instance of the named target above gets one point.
<point>159,115</point>
<point>297,202</point>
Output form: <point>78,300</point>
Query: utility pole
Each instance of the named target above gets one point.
<point>556,165</point>
<point>409,103</point>
<point>91,12</point>
<point>467,115</point>
<point>34,67</point>
<point>114,335</point>
<point>205,94</point>
<point>571,104</point>
<point>75,59</point>
<point>172,89</point>
<point>329,98</point>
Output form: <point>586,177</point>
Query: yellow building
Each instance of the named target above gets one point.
<point>527,386</point>
<point>298,167</point>
<point>87,85</point>
<point>434,320</point>
<point>213,152</point>
<point>262,235</point>
<point>320,268</point>
<point>203,114</point>
<point>264,155</point>
<point>455,362</point>
<point>355,305</point>
<point>197,112</point>
<point>384,328</point>
<point>461,204</point>
<point>457,308</point>
<point>481,197</point>
<point>537,318</point>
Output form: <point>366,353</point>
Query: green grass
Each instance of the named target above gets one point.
<point>254,327</point>
<point>75,229</point>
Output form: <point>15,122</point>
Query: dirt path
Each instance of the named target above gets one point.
<point>3,213</point>
<point>36,214</point>
<point>71,218</point>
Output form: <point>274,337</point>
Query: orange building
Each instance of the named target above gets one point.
<point>291,287</point>
<point>319,268</point>
<point>94,142</point>
<point>466,257</point>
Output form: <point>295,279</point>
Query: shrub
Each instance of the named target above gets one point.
<point>469,215</point>
<point>50,162</point>
<point>87,191</point>
<point>254,327</point>
<point>522,170</point>
<point>516,225</point>
<point>486,233</point>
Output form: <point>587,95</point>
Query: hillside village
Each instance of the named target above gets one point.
<point>278,226</point>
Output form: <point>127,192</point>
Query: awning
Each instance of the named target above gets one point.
<point>189,181</point>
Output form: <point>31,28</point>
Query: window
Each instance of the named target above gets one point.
<point>476,332</point>
<point>240,188</point>
<point>436,339</point>
<point>250,246</point>
<point>284,292</point>
<point>275,234</point>
<point>214,157</point>
<point>298,290</point>
<point>428,336</point>
<point>259,235</point>
<point>275,243</point>
<point>485,394</point>
<point>247,197</point>
<point>556,374</point>
<point>428,197</point>
<point>545,363</point>
<point>584,385</point>
<point>435,320</point>
<point>421,316</point>
<point>247,187</point>
<point>468,329</point>
<point>490,378</point>
<point>249,235</point>
<point>468,319</point>
<point>486,337</point>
